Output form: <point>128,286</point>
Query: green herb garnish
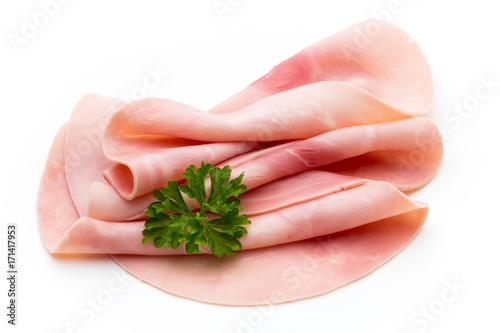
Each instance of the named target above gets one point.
<point>172,222</point>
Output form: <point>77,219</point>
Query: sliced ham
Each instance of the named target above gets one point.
<point>292,271</point>
<point>406,153</point>
<point>309,111</point>
<point>376,56</point>
<point>342,59</point>
<point>282,273</point>
<point>320,209</point>
<point>105,203</point>
<point>415,146</point>
<point>84,156</point>
<point>299,113</point>
<point>307,205</point>
<point>327,140</point>
<point>55,208</point>
<point>154,166</point>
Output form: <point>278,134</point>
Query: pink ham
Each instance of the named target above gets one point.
<point>337,220</point>
<point>367,203</point>
<point>147,167</point>
<point>310,111</point>
<point>376,56</point>
<point>405,85</point>
<point>307,205</point>
<point>84,143</point>
<point>106,204</point>
<point>327,262</point>
<point>282,273</point>
<point>414,144</point>
<point>55,208</point>
<point>299,113</point>
<point>406,153</point>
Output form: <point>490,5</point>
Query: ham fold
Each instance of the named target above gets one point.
<point>282,273</point>
<point>390,68</point>
<point>406,153</point>
<point>329,142</point>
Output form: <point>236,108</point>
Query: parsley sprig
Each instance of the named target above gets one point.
<point>171,221</point>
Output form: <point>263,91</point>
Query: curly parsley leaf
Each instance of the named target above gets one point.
<point>172,222</point>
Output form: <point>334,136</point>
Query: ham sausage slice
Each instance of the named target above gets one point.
<point>307,205</point>
<point>84,157</point>
<point>328,140</point>
<point>406,153</point>
<point>282,273</point>
<point>55,208</point>
<point>376,56</point>
<point>394,85</point>
<point>292,271</point>
<point>295,114</point>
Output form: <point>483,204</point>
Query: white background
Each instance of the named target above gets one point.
<point>106,47</point>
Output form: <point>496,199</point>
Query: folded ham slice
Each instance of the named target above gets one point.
<point>398,83</point>
<point>327,141</point>
<point>376,56</point>
<point>406,153</point>
<point>282,273</point>
<point>317,197</point>
<point>295,114</point>
<point>55,207</point>
<point>84,157</point>
<point>299,113</point>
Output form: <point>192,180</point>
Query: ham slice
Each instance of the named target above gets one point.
<point>106,204</point>
<point>84,156</point>
<point>144,168</point>
<point>414,144</point>
<point>376,56</point>
<point>327,140</point>
<point>55,208</point>
<point>292,271</point>
<point>307,205</point>
<point>406,153</point>
<point>282,273</point>
<point>300,113</point>
<point>295,114</point>
<point>405,87</point>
